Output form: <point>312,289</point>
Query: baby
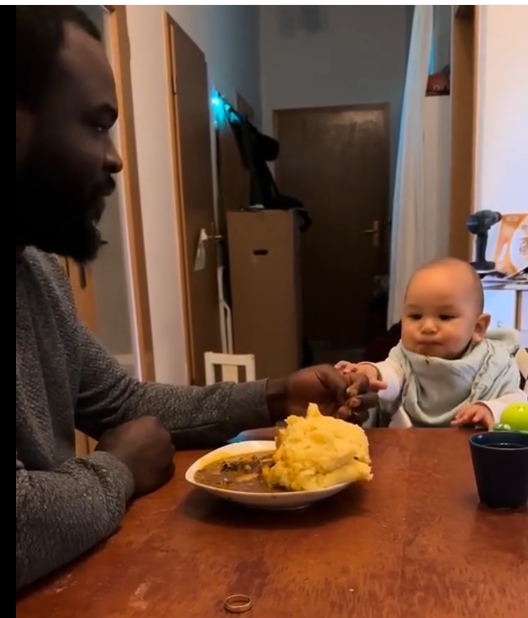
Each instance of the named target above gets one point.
<point>446,370</point>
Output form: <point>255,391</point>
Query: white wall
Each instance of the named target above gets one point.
<point>502,110</point>
<point>111,281</point>
<point>314,56</point>
<point>228,35</point>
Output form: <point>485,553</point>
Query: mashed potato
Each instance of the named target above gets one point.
<point>317,452</point>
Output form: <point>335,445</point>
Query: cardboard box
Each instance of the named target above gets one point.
<point>265,289</point>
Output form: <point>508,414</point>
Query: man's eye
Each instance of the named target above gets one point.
<point>99,128</point>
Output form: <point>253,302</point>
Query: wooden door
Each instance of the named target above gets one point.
<point>336,161</point>
<point>243,107</point>
<point>464,78</point>
<point>82,284</point>
<point>83,289</point>
<point>191,123</point>
<point>233,176</point>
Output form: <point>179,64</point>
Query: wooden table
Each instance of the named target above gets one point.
<point>412,544</point>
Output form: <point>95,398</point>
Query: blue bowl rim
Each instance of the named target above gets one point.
<point>494,446</point>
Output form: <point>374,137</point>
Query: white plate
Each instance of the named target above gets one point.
<point>269,501</point>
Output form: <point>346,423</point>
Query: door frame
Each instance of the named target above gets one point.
<point>119,44</point>
<point>168,24</point>
<point>120,60</point>
<point>465,103</point>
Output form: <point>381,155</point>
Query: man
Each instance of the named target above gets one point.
<point>65,163</point>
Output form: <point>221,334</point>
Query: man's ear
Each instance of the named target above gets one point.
<point>481,328</point>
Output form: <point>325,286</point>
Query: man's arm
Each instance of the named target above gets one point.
<point>64,513</point>
<point>196,417</point>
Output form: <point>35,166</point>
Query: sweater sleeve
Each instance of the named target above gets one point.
<point>63,513</point>
<point>197,417</point>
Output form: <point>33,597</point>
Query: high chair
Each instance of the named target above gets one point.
<point>378,419</point>
<point>522,360</point>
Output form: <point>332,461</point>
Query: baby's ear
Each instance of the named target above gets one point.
<point>482,325</point>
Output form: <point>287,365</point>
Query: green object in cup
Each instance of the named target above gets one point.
<point>514,418</point>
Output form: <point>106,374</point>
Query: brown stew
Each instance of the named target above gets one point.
<point>239,473</point>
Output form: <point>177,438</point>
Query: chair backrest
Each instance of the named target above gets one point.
<point>522,360</point>
<point>230,366</point>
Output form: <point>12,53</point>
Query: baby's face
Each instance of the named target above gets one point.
<point>441,314</point>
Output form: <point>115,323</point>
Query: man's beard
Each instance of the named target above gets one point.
<point>55,215</point>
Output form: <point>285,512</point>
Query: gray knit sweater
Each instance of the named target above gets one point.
<point>66,380</point>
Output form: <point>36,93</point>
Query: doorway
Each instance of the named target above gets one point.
<point>189,104</point>
<point>336,161</point>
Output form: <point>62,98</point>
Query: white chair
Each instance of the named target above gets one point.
<point>230,367</point>
<point>522,360</point>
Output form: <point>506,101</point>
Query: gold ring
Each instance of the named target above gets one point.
<point>238,604</point>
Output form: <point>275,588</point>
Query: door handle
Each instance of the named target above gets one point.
<point>214,235</point>
<point>374,231</point>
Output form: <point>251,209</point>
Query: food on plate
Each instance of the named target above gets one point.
<point>316,452</point>
<point>312,452</point>
<point>238,473</point>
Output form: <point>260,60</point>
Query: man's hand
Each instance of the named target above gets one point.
<point>473,415</point>
<point>323,385</point>
<point>362,395</point>
<point>145,448</point>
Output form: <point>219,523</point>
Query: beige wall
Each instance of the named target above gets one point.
<point>228,35</point>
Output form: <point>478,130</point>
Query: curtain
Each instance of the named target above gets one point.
<point>412,224</point>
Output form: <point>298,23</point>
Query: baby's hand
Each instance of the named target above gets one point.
<point>346,368</point>
<point>474,414</point>
<point>365,369</point>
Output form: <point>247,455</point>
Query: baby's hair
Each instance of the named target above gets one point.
<point>476,283</point>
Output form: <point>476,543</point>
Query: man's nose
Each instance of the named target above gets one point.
<point>114,163</point>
